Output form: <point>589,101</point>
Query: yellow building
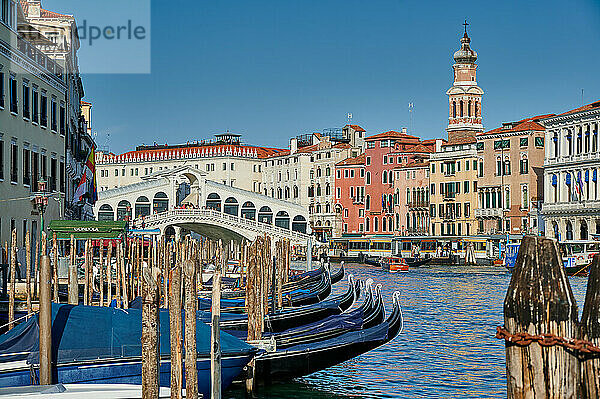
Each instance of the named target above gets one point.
<point>32,129</point>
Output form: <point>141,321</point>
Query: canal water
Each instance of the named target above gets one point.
<point>447,349</point>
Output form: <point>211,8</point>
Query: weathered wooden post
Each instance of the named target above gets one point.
<point>55,268</point>
<point>539,301</point>
<point>215,348</point>
<point>150,331</point>
<point>101,272</point>
<point>36,259</point>
<point>45,321</point>
<point>28,271</point>
<point>109,274</point>
<point>13,269</point>
<point>73,278</point>
<point>175,330</point>
<point>590,331</point>
<point>191,306</point>
<point>124,296</point>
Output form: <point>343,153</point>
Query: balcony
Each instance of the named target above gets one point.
<point>489,212</point>
<point>566,207</point>
<point>449,196</point>
<point>418,205</point>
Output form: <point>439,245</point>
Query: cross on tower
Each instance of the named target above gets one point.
<point>465,25</point>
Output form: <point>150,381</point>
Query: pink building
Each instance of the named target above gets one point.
<point>350,193</point>
<point>384,154</point>
<point>411,188</point>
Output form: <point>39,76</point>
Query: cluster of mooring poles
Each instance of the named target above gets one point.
<point>549,353</point>
<point>165,274</point>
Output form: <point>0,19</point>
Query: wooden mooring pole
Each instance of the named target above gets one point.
<point>215,348</point>
<point>191,306</point>
<point>45,321</point>
<point>539,300</point>
<point>175,330</point>
<point>28,256</point>
<point>73,278</point>
<point>590,330</point>
<point>55,268</point>
<point>13,283</point>
<point>150,331</point>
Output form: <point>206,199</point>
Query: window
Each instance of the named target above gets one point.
<point>524,166</point>
<point>539,141</point>
<point>14,160</point>
<point>480,146</point>
<point>338,192</point>
<point>467,210</point>
<point>54,124</point>
<point>1,160</point>
<point>500,144</point>
<point>370,144</point>
<point>53,171</point>
<point>432,210</point>
<point>523,141</point>
<point>232,167</point>
<point>44,110</point>
<point>506,170</point>
<point>432,189</point>
<point>26,113</point>
<point>362,173</point>
<point>466,187</point>
<point>432,169</point>
<point>368,161</point>
<point>1,89</point>
<point>35,105</point>
<point>62,176</point>
<point>368,179</point>
<point>224,166</point>
<point>338,174</point>
<point>13,94</point>
<point>62,120</point>
<point>26,167</point>
<point>524,197</point>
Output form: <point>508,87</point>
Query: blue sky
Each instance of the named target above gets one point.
<point>273,69</point>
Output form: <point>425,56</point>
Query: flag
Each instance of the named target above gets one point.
<point>90,163</point>
<point>81,188</point>
<point>579,185</point>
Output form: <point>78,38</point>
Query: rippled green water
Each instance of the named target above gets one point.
<point>447,349</point>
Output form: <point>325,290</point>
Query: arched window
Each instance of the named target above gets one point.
<point>282,219</point>
<point>160,203</point>
<point>368,178</point>
<point>319,172</point>
<point>318,190</point>
<point>469,109</point>
<point>287,193</point>
<point>583,230</point>
<point>328,189</point>
<point>106,213</point>
<point>555,229</point>
<point>299,224</point>
<point>569,230</point>
<point>318,208</point>
<point>213,201</point>
<point>368,202</point>
<point>249,211</point>
<point>383,225</point>
<point>124,210</point>
<point>296,192</point>
<point>367,225</point>
<point>142,207</point>
<point>461,108</point>
<point>231,206</point>
<point>454,109</point>
<point>311,191</point>
<point>265,215</point>
<point>279,193</point>
<point>327,208</point>
<point>384,177</point>
<point>328,171</point>
<point>476,109</point>
<point>376,224</point>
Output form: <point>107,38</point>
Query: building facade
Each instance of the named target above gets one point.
<point>56,36</point>
<point>571,207</point>
<point>453,170</point>
<point>511,160</point>
<point>350,194</point>
<point>411,187</point>
<point>32,133</point>
<point>225,160</point>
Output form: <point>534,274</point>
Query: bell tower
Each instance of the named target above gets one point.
<point>465,108</point>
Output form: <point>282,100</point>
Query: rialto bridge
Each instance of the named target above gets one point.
<point>182,198</point>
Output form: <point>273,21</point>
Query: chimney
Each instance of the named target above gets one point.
<point>293,145</point>
<point>404,130</point>
<point>34,8</point>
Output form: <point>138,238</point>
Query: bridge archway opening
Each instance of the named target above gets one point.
<point>265,215</point>
<point>249,210</point>
<point>124,210</point>
<point>169,233</point>
<point>106,213</point>
<point>231,206</point>
<point>160,202</point>
<point>213,201</point>
<point>142,206</point>
<point>299,224</point>
<point>282,219</point>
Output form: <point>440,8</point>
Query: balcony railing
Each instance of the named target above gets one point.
<point>39,57</point>
<point>418,204</point>
<point>488,212</point>
<point>449,196</point>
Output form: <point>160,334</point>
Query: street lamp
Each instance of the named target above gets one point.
<point>41,201</point>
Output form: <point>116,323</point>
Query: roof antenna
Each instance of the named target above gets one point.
<point>411,106</point>
<point>349,116</point>
<point>582,102</point>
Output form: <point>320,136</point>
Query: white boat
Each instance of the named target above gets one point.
<point>88,391</point>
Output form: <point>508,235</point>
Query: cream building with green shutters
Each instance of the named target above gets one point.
<point>32,138</point>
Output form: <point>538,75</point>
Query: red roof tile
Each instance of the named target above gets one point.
<point>524,125</point>
<point>356,128</point>
<point>359,160</point>
<point>461,140</point>
<point>392,135</point>
<point>415,164</point>
<point>587,107</point>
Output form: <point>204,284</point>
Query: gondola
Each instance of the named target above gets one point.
<point>417,262</point>
<point>102,345</point>
<point>306,358</point>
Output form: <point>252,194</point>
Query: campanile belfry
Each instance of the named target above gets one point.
<point>465,108</point>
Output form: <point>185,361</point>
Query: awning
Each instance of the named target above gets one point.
<point>91,229</point>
